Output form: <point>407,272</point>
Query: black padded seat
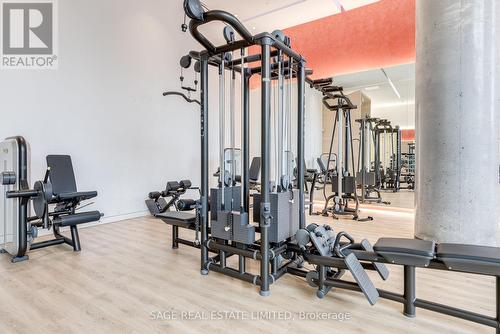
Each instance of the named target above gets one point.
<point>82,196</point>
<point>178,218</point>
<point>77,218</point>
<point>412,252</point>
<point>470,258</point>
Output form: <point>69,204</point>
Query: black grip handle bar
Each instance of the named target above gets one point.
<point>183,96</point>
<point>21,193</point>
<point>218,15</point>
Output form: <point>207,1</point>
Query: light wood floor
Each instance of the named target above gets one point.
<point>127,270</point>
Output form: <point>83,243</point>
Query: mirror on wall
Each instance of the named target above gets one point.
<point>378,138</point>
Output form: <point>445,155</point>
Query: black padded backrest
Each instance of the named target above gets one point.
<point>254,172</point>
<point>62,175</point>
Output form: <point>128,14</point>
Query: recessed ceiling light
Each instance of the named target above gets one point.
<point>372,88</point>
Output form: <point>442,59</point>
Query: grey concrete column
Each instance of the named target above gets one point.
<point>457,121</point>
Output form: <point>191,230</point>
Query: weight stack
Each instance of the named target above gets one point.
<point>232,199</point>
<point>284,214</point>
<point>369,178</point>
<point>230,224</point>
<point>348,184</point>
<point>233,226</point>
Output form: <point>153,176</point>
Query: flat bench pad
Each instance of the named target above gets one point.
<point>412,252</point>
<point>178,218</point>
<point>470,258</point>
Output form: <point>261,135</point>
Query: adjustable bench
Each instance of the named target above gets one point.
<point>181,219</point>
<point>471,259</point>
<point>411,253</point>
<point>176,219</point>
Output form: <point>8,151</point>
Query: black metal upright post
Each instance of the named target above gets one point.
<point>246,139</point>
<point>398,159</point>
<point>301,76</point>
<point>498,304</point>
<point>265,206</point>
<point>362,140</point>
<point>23,202</point>
<point>204,165</point>
<point>378,175</point>
<point>409,291</point>
<point>347,147</point>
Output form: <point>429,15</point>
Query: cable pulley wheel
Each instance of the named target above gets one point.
<point>279,35</point>
<point>194,10</point>
<point>229,35</point>
<point>185,61</point>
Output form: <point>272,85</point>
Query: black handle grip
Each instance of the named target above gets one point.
<point>217,15</point>
<point>339,250</point>
<point>21,193</point>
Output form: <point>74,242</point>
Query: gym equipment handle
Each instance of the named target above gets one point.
<point>339,250</point>
<point>218,15</point>
<point>183,96</point>
<point>21,193</point>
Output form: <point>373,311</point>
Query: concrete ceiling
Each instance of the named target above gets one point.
<point>266,15</point>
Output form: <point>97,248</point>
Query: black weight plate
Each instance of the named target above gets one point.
<point>39,202</point>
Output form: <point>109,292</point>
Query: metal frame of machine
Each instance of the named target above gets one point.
<point>58,188</point>
<point>387,178</point>
<point>332,253</point>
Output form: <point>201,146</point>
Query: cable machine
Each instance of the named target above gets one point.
<point>366,177</point>
<point>408,167</point>
<point>331,253</point>
<point>226,229</point>
<point>387,155</point>
<point>338,168</point>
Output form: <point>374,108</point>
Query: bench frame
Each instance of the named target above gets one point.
<point>409,296</point>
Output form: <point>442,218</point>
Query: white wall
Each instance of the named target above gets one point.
<point>104,106</point>
<point>399,114</point>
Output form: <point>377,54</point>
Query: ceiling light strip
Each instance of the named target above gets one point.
<point>392,84</point>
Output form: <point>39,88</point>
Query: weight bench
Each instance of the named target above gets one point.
<point>321,247</point>
<point>468,258</point>
<point>178,219</point>
<point>411,253</point>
